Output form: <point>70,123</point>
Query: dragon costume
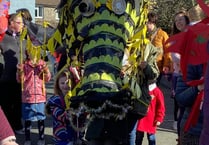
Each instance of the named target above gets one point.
<point>100,31</point>
<point>97,33</point>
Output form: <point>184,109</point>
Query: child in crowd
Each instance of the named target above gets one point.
<point>154,117</point>
<point>33,74</point>
<point>63,132</point>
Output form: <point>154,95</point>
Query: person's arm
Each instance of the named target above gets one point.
<point>20,72</point>
<point>160,108</point>
<point>185,94</point>
<point>167,59</point>
<point>59,114</point>
<point>44,70</point>
<point>7,136</point>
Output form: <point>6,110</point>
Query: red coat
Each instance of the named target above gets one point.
<point>6,131</point>
<point>156,112</point>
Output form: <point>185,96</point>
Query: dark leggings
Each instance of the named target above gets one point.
<point>41,128</point>
<point>150,137</point>
<point>176,106</point>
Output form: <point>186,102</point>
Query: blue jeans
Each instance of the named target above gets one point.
<point>150,137</point>
<point>132,135</point>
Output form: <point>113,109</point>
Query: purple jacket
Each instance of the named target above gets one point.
<point>205,132</point>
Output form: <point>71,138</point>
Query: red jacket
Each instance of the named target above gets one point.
<point>34,90</point>
<point>156,112</point>
<point>6,131</point>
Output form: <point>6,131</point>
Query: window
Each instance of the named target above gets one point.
<point>57,16</point>
<point>39,12</point>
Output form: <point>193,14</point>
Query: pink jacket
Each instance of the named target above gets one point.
<point>34,78</point>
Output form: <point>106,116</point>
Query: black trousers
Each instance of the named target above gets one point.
<point>10,100</point>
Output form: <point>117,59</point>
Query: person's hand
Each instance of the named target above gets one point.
<point>20,68</point>
<point>166,70</point>
<point>45,68</point>
<point>200,87</point>
<point>157,123</point>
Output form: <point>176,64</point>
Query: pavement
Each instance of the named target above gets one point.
<point>165,134</point>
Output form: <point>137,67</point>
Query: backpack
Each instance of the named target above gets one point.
<point>139,82</point>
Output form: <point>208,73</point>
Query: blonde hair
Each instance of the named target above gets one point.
<point>196,14</point>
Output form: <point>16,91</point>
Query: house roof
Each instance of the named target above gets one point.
<point>48,3</point>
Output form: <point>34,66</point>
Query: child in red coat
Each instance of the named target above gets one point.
<point>154,117</point>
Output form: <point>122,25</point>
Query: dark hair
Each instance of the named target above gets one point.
<point>25,13</point>
<point>11,17</point>
<point>152,17</point>
<point>175,30</point>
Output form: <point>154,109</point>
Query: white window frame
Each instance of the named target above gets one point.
<point>57,15</point>
<point>39,12</point>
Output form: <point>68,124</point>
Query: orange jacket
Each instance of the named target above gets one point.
<point>158,39</point>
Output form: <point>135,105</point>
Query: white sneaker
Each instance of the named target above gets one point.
<point>28,142</point>
<point>21,131</point>
<point>41,142</point>
<point>175,125</point>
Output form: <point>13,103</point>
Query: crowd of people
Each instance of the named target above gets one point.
<point>27,74</point>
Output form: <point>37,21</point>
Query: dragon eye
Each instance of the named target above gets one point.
<point>87,7</point>
<point>119,6</point>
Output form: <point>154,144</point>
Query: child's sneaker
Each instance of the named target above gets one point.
<point>28,142</point>
<point>41,142</point>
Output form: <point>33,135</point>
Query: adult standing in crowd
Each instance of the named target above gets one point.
<point>158,38</point>
<point>188,93</point>
<point>9,87</point>
<point>186,96</point>
<point>181,21</point>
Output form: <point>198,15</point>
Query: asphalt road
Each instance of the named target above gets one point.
<point>165,134</point>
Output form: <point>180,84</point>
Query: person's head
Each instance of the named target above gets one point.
<point>65,81</point>
<point>152,20</point>
<point>15,23</point>
<point>25,14</point>
<point>181,21</point>
<point>33,54</point>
